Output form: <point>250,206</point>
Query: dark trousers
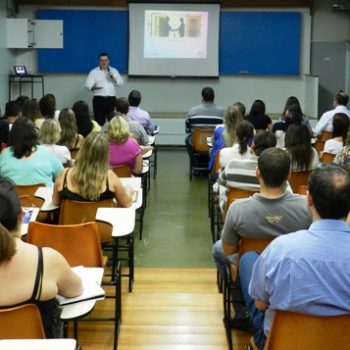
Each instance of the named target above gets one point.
<point>102,106</point>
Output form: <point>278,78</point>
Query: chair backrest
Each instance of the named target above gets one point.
<point>21,322</point>
<point>327,158</point>
<point>303,190</point>
<point>29,191</point>
<point>216,166</point>
<point>291,330</point>
<point>248,245</point>
<point>80,244</point>
<point>298,179</point>
<point>253,244</point>
<point>122,170</point>
<point>236,193</point>
<point>325,135</point>
<point>319,145</point>
<point>199,139</point>
<point>75,212</point>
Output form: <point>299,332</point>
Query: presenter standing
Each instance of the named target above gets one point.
<point>102,81</point>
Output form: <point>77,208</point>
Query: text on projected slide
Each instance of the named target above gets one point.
<point>175,34</point>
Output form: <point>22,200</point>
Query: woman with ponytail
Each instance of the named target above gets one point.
<point>240,148</point>
<point>30,274</point>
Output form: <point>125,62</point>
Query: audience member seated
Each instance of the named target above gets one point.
<point>31,275</point>
<point>292,114</point>
<point>258,118</point>
<point>137,131</point>
<point>123,150</point>
<point>69,130</point>
<point>268,214</point>
<point>225,134</point>
<point>24,161</point>
<point>31,111</point>
<point>205,114</point>
<point>240,148</point>
<point>48,107</point>
<point>298,144</point>
<point>325,123</point>
<point>12,113</point>
<point>21,99</point>
<point>341,124</point>
<point>305,271</point>
<point>138,114</point>
<point>342,158</point>
<point>84,123</point>
<point>91,179</point>
<point>49,135</point>
<point>241,173</point>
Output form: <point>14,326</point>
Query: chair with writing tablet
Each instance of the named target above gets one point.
<point>298,179</point>
<point>200,150</point>
<point>80,244</point>
<point>122,170</point>
<point>245,245</point>
<point>21,322</point>
<point>293,330</point>
<point>327,158</point>
<point>27,192</point>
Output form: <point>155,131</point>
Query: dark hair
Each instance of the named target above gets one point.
<point>341,98</point>
<point>134,98</point>
<point>82,116</point>
<point>258,107</point>
<point>208,94</point>
<point>103,54</point>
<point>21,99</point>
<point>122,105</point>
<point>241,107</point>
<point>341,125</point>
<point>263,140</point>
<point>31,110</point>
<point>22,138</point>
<point>294,115</point>
<point>298,145</point>
<point>274,166</point>
<point>47,106</point>
<point>291,101</point>
<point>329,187</point>
<point>244,132</point>
<point>12,109</point>
<point>10,208</point>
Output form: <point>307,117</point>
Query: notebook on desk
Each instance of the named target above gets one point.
<point>91,289</point>
<point>20,70</point>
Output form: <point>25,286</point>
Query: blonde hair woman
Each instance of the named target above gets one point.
<point>225,134</point>
<point>123,150</point>
<point>91,179</point>
<point>69,130</point>
<point>49,135</point>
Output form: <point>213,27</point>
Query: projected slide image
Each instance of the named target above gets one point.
<point>175,34</point>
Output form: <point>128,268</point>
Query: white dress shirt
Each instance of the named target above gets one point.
<point>108,80</point>
<point>326,121</point>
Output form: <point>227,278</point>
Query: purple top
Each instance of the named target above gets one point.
<point>141,116</point>
<point>123,154</point>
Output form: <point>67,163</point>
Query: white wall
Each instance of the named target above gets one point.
<point>6,59</point>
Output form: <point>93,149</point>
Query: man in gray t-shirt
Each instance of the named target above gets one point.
<point>267,214</point>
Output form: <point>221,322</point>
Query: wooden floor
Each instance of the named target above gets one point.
<point>169,309</point>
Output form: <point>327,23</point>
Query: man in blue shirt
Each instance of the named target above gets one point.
<point>307,271</point>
